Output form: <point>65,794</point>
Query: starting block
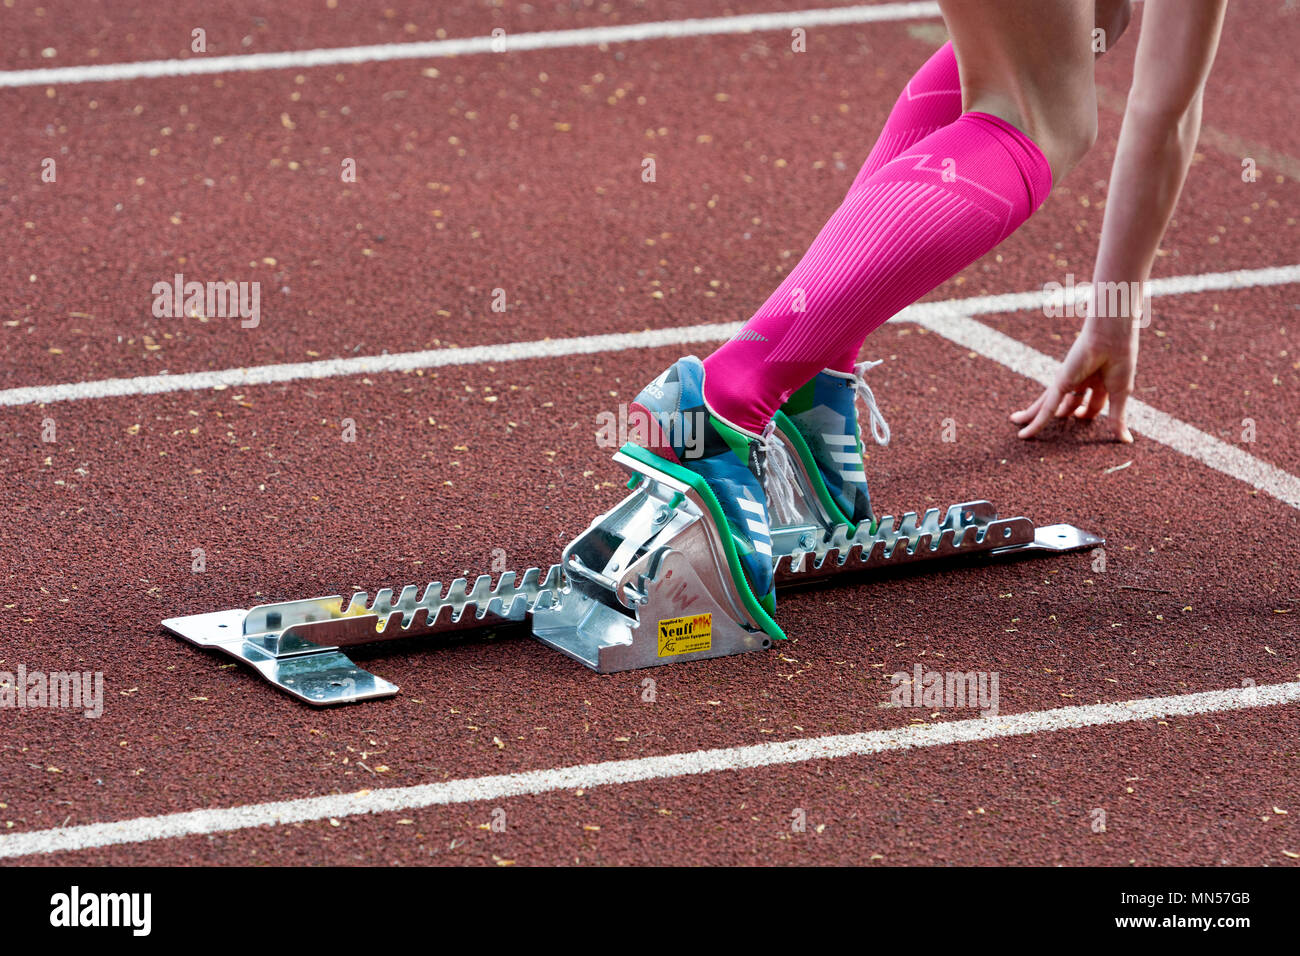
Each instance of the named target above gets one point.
<point>650,582</point>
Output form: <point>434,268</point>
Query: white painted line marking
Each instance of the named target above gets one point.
<point>949,318</point>
<point>1169,285</point>
<point>1153,423</point>
<point>581,345</point>
<point>367,364</point>
<point>464,46</point>
<point>477,789</point>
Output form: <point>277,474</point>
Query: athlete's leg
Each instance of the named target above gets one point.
<point>928,213</point>
<point>932,99</point>
<point>1029,62</point>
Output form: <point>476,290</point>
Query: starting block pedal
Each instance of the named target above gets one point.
<point>650,582</point>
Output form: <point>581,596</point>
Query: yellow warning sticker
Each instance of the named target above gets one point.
<point>685,635</point>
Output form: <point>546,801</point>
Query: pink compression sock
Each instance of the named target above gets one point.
<point>931,100</point>
<point>904,229</point>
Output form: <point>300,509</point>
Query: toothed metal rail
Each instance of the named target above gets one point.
<point>649,582</point>
<point>294,644</point>
<point>967,529</point>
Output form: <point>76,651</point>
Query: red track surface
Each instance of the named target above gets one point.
<point>1201,585</point>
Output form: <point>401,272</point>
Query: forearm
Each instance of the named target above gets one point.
<point>1151,162</point>
<point>1157,139</point>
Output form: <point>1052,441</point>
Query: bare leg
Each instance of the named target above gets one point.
<point>1030,62</point>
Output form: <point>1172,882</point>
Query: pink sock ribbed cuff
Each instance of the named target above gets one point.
<point>1036,172</point>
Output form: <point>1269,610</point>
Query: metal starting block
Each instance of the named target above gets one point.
<point>650,582</point>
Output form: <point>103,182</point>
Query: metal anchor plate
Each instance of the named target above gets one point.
<point>294,644</point>
<point>319,676</point>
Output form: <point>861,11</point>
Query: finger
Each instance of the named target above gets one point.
<point>1027,414</point>
<point>1068,402</point>
<point>1096,402</point>
<point>1118,425</point>
<point>1046,404</point>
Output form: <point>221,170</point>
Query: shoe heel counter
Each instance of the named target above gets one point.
<point>645,425</point>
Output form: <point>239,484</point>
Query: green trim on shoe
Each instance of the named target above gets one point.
<point>801,399</point>
<point>761,611</point>
<point>791,432</point>
<point>736,441</point>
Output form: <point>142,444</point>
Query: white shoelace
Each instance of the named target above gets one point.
<point>879,427</point>
<point>778,470</point>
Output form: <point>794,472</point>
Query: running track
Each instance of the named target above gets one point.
<point>1161,691</point>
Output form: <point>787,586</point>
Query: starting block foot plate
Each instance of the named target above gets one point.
<point>322,676</point>
<point>651,582</point>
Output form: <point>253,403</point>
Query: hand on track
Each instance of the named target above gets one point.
<point>1101,364</point>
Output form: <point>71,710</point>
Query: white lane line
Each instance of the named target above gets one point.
<point>1142,418</point>
<point>581,345</point>
<point>476,789</point>
<point>542,40</point>
<point>1169,285</point>
<point>397,362</point>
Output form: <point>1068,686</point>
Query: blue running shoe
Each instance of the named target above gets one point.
<point>824,415</point>
<point>730,461</point>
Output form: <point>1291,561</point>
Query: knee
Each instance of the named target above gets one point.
<point>1064,133</point>
<point>1065,136</point>
<point>1058,112</point>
